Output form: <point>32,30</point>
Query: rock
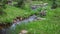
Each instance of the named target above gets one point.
<point>45,4</point>
<point>14,21</point>
<point>20,18</point>
<point>43,18</point>
<point>17,20</point>
<point>43,13</point>
<point>33,7</point>
<point>23,32</point>
<point>39,18</point>
<point>9,2</point>
<point>20,33</point>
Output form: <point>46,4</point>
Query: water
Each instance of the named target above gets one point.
<point>31,18</point>
<point>13,26</point>
<point>25,21</point>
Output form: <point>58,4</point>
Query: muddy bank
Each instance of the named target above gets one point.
<point>25,21</point>
<point>4,27</point>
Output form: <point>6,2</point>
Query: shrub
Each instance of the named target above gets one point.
<point>2,7</point>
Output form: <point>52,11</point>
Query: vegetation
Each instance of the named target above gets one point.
<point>48,26</point>
<point>51,25</point>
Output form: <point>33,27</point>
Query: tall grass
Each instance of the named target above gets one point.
<point>48,26</point>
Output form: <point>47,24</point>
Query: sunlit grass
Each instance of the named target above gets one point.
<point>48,26</point>
<point>13,12</point>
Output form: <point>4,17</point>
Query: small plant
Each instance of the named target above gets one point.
<point>20,3</point>
<point>2,7</point>
<point>1,11</point>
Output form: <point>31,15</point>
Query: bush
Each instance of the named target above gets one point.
<point>20,3</point>
<point>2,7</point>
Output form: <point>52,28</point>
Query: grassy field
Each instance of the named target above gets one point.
<point>49,26</point>
<point>13,12</point>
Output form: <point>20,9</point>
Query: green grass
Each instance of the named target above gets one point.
<point>13,12</point>
<point>49,26</point>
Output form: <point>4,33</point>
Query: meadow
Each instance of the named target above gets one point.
<point>51,25</point>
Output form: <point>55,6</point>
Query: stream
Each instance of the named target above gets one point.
<point>25,21</point>
<point>13,26</point>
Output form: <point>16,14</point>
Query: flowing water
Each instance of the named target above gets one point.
<point>31,18</point>
<point>13,26</point>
